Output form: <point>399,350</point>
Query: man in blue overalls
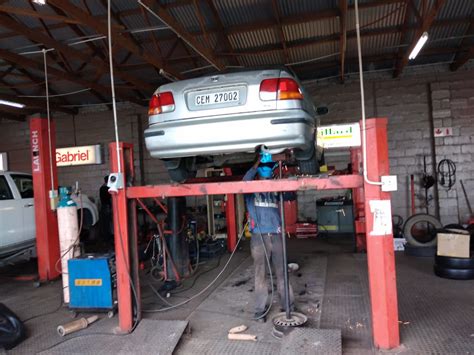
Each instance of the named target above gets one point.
<point>265,226</point>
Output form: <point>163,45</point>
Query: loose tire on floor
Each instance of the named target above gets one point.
<point>420,218</point>
<point>455,274</point>
<point>454,263</point>
<point>425,251</point>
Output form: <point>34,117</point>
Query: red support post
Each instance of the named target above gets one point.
<point>380,251</point>
<point>230,215</point>
<point>124,241</point>
<point>358,202</point>
<point>47,235</point>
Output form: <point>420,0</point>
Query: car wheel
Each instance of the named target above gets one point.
<point>454,263</point>
<point>455,274</point>
<point>182,172</point>
<point>420,230</point>
<point>309,166</point>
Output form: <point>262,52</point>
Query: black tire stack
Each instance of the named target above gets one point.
<point>456,268</point>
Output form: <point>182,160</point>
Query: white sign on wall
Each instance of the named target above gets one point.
<point>339,136</point>
<point>90,154</point>
<point>3,162</point>
<point>443,131</point>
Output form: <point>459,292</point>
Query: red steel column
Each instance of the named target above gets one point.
<point>358,202</point>
<point>230,215</point>
<point>122,244</point>
<point>47,236</point>
<point>380,253</point>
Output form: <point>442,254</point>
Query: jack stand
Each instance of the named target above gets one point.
<point>284,322</point>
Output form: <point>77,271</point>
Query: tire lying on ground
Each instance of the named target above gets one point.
<point>455,274</point>
<point>454,263</point>
<point>425,251</point>
<point>425,240</point>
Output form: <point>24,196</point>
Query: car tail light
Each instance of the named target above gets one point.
<point>161,103</point>
<point>280,89</point>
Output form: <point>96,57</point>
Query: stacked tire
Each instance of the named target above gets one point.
<point>454,268</point>
<point>424,245</point>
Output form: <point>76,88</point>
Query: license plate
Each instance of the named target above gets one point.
<point>217,98</point>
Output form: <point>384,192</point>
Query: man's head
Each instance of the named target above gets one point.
<point>266,166</point>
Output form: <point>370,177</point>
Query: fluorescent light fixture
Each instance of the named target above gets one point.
<point>421,42</point>
<point>11,103</point>
<point>39,2</point>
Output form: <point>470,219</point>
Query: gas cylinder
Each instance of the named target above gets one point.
<point>68,235</point>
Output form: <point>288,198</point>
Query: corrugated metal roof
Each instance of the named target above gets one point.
<point>456,8</point>
<point>377,17</point>
<point>297,7</point>
<point>253,31</point>
<point>254,39</point>
<point>311,29</point>
<point>243,11</point>
<point>447,36</point>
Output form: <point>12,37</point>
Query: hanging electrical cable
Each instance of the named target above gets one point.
<point>362,99</point>
<point>112,86</point>
<point>447,173</point>
<point>52,193</point>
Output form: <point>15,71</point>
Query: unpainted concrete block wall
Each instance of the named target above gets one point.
<point>405,102</point>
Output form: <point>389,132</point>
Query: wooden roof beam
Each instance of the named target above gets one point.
<point>279,29</point>
<point>409,8</point>
<point>221,30</point>
<point>163,15</point>
<point>119,40</point>
<point>461,56</point>
<point>27,63</point>
<point>37,103</point>
<point>68,51</point>
<point>343,6</point>
<point>425,26</point>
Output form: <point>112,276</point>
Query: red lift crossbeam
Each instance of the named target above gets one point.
<point>245,187</point>
<point>379,241</point>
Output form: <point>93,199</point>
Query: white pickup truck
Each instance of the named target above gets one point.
<point>17,214</point>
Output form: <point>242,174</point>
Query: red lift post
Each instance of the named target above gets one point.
<point>381,263</point>
<point>47,235</point>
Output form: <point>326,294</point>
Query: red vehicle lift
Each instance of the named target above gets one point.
<point>379,246</point>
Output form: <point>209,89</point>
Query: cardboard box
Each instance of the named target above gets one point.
<point>454,244</point>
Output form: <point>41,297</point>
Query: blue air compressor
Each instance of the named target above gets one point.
<point>92,283</point>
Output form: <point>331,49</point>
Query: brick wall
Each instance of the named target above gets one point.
<point>404,101</point>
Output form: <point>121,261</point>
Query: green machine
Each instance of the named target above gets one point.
<point>335,216</point>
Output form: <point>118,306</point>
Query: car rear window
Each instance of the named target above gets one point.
<point>5,192</point>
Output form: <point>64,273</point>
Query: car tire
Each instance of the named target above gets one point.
<point>455,274</point>
<point>454,263</point>
<point>418,218</point>
<point>309,166</point>
<point>426,251</point>
<point>181,173</point>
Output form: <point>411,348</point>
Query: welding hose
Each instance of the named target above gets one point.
<point>271,279</point>
<point>207,287</point>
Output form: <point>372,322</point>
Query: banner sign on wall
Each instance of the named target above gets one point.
<point>339,136</point>
<point>86,155</point>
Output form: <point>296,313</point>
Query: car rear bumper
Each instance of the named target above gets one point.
<point>225,135</point>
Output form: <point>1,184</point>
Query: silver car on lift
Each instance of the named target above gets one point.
<point>220,119</point>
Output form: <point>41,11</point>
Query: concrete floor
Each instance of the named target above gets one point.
<point>331,287</point>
